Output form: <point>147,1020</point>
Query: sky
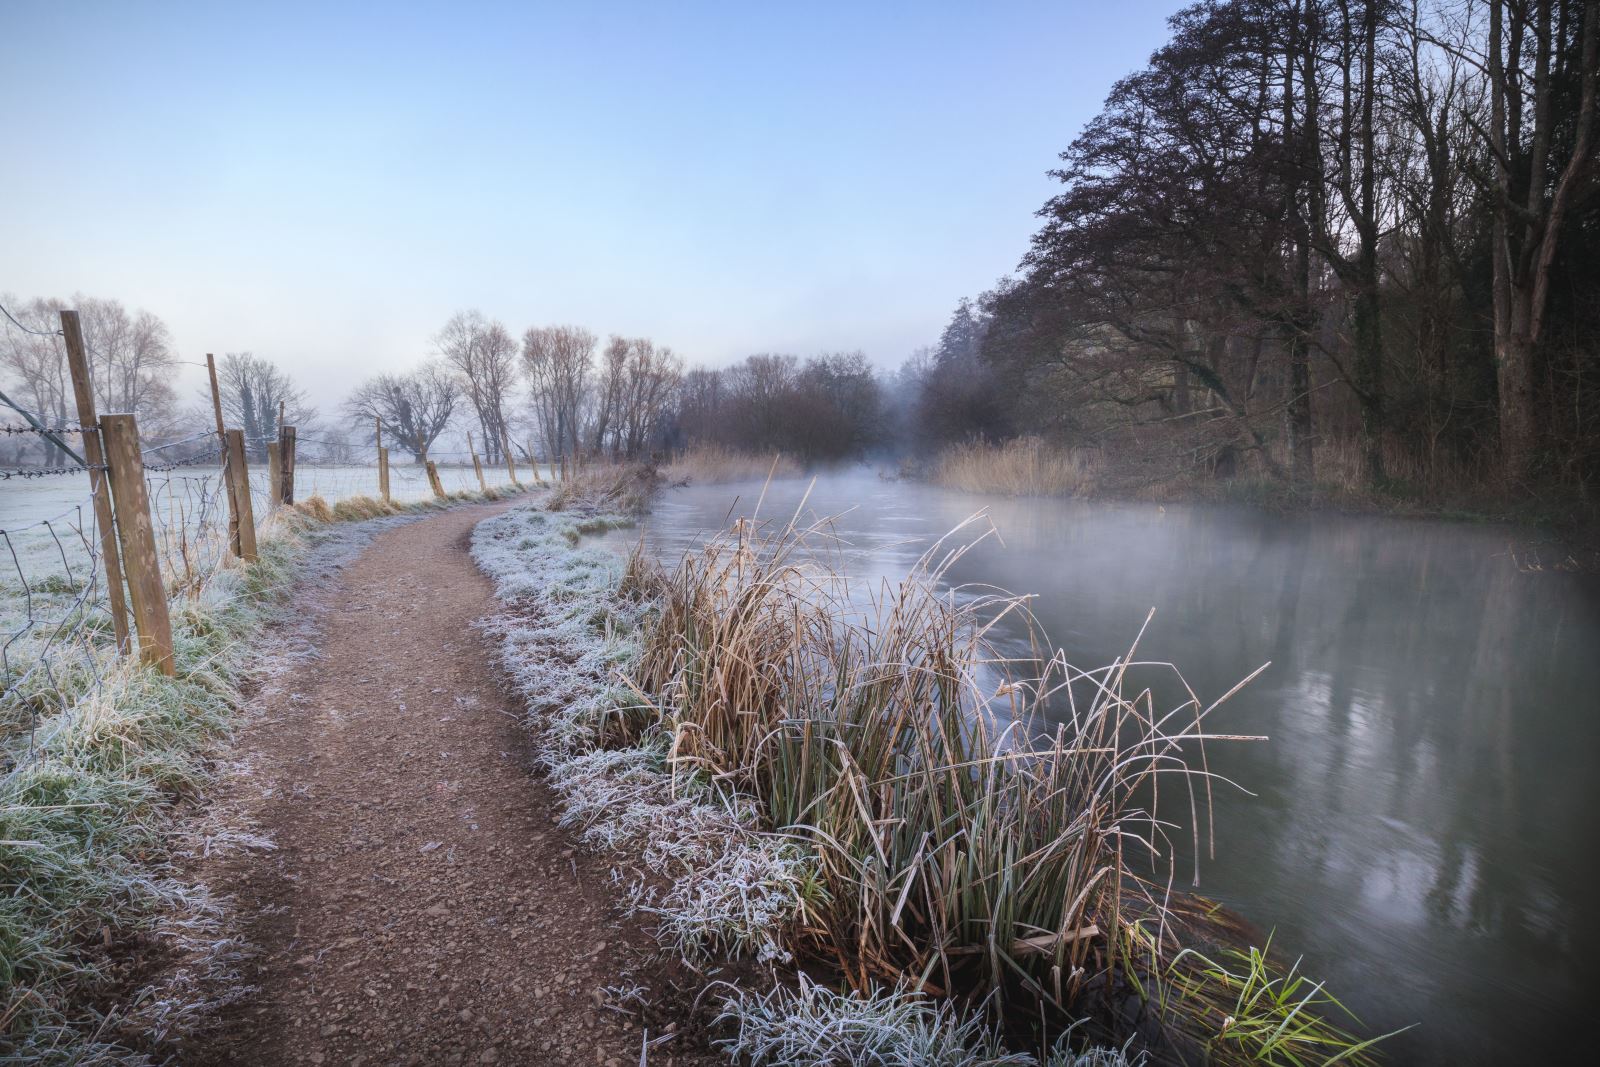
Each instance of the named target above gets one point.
<point>325,184</point>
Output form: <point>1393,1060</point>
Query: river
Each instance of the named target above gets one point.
<point>1420,825</point>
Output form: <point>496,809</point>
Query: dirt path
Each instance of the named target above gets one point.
<point>421,906</point>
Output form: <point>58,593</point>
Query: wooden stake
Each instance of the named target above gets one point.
<point>286,450</point>
<point>216,395</point>
<point>94,456</point>
<point>137,534</point>
<point>433,480</point>
<point>383,460</point>
<point>511,464</point>
<point>274,472</point>
<point>235,545</point>
<point>476,466</point>
<point>239,491</point>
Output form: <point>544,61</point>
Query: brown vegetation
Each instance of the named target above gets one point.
<point>981,829</point>
<point>1024,466</point>
<point>711,464</point>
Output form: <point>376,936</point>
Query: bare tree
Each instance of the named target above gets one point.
<point>557,361</point>
<point>613,377</point>
<point>637,383</point>
<point>252,390</point>
<point>415,408</point>
<point>130,358</point>
<point>1532,191</point>
<point>34,367</point>
<point>336,447</point>
<point>484,356</point>
<point>652,378</point>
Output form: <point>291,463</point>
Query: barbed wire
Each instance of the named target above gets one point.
<point>46,430</point>
<point>210,455</point>
<point>49,472</point>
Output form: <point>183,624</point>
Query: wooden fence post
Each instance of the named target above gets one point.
<point>511,464</point>
<point>239,492</point>
<point>137,535</point>
<point>433,479</point>
<point>383,461</point>
<point>94,456</point>
<point>286,449</point>
<point>483,486</point>
<point>235,541</point>
<point>274,471</point>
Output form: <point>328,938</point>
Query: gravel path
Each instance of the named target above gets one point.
<point>421,906</point>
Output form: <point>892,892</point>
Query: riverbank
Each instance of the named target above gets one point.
<point>1556,529</point>
<point>803,837</point>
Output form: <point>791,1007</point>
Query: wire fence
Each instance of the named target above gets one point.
<point>58,635</point>
<point>58,641</point>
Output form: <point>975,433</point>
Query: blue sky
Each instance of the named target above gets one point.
<point>324,184</point>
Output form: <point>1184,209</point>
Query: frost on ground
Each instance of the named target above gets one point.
<point>885,1028</point>
<point>93,839</point>
<point>810,1024</point>
<point>716,883</point>
<point>700,862</point>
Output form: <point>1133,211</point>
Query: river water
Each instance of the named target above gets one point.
<point>1421,824</point>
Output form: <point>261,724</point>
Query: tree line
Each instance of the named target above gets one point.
<point>1321,240</point>
<point>1318,237</point>
<point>556,393</point>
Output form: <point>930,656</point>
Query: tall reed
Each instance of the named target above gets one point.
<point>599,486</point>
<point>710,464</point>
<point>985,828</point>
<point>1025,466</point>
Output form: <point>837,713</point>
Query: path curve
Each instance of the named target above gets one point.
<point>421,906</point>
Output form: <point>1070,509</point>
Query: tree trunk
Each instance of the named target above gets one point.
<point>1519,431</point>
<point>1368,323</point>
<point>1297,417</point>
<point>1368,330</point>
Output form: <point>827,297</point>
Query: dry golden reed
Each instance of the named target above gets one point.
<point>1025,466</point>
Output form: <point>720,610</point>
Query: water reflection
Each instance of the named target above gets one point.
<point>1423,815</point>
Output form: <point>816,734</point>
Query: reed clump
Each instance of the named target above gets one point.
<point>716,465</point>
<point>1024,466</point>
<point>981,828</point>
<point>624,488</point>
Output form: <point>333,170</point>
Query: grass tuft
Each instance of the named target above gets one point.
<point>879,1028</point>
<point>619,488</point>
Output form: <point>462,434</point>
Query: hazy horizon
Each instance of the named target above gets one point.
<point>325,189</point>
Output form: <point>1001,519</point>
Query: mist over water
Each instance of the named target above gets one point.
<point>1422,816</point>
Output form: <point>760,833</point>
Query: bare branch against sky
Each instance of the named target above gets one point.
<point>732,179</point>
